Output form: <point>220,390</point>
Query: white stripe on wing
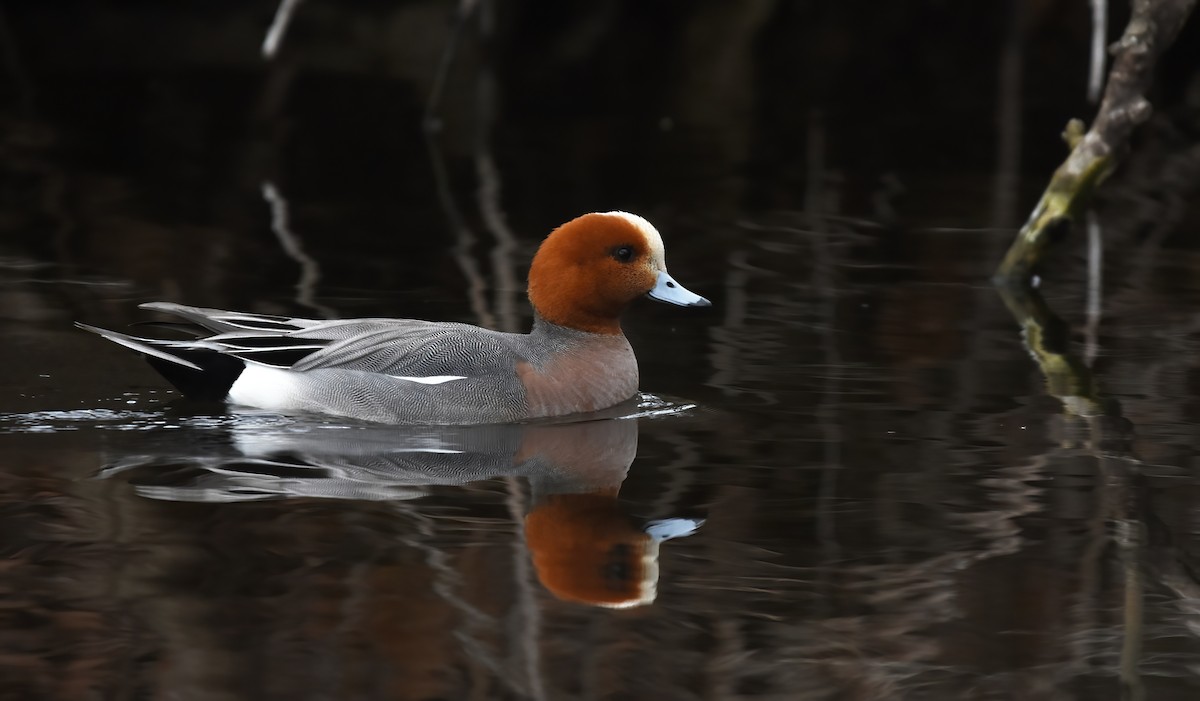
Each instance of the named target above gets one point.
<point>430,380</point>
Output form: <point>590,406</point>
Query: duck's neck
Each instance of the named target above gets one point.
<point>570,371</point>
<point>608,327</point>
<point>593,317</point>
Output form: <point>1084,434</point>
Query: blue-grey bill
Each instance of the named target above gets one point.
<point>668,528</point>
<point>667,290</point>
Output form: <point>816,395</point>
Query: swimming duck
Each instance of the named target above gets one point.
<point>574,360</point>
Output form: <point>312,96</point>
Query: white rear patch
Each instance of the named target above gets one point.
<point>431,380</point>
<point>277,389</point>
<point>264,387</point>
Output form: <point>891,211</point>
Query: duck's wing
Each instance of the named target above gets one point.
<point>422,351</point>
<point>426,351</point>
<point>220,321</point>
<point>257,338</point>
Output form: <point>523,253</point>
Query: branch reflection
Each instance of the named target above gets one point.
<point>1093,424</point>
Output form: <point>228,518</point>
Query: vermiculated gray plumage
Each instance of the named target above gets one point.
<point>380,369</point>
<point>383,463</point>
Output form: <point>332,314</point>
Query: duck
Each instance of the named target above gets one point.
<point>574,360</point>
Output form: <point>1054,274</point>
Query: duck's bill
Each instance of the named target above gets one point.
<point>668,528</point>
<point>667,290</point>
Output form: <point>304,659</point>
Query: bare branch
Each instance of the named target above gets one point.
<point>1152,28</point>
<point>310,269</point>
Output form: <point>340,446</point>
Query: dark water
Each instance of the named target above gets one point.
<point>910,489</point>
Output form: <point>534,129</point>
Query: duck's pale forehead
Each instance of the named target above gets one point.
<point>653,239</point>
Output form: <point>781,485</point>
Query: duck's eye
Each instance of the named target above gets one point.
<point>623,254</point>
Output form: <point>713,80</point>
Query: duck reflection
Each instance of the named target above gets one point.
<point>584,547</point>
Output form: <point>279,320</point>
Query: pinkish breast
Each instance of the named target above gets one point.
<point>586,377</point>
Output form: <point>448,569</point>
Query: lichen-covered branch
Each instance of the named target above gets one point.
<point>1152,28</point>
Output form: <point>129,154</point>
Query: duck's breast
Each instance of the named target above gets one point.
<point>577,373</point>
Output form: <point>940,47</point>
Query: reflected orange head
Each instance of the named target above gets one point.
<point>586,550</point>
<point>588,270</point>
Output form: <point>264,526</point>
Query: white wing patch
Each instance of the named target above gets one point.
<point>431,380</point>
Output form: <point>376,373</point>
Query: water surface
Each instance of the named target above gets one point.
<point>908,487</point>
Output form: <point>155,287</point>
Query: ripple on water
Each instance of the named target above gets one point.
<point>61,421</point>
<point>57,421</point>
<point>653,406</point>
<point>76,419</point>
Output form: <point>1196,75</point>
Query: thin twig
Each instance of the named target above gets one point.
<point>491,206</point>
<point>465,9</point>
<point>491,209</point>
<point>463,237</point>
<point>1099,38</point>
<point>530,627</point>
<point>1095,286</point>
<point>310,270</point>
<point>503,267</point>
<point>283,17</point>
<point>1129,539</point>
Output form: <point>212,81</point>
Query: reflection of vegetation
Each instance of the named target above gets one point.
<point>1047,337</point>
<point>1071,381</point>
<point>1118,520</point>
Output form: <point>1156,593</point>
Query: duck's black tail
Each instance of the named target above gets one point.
<point>197,372</point>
